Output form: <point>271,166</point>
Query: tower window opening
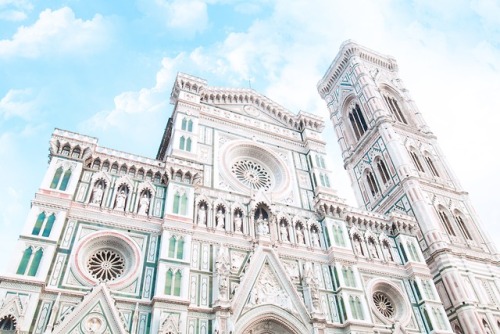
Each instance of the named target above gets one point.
<point>372,183</point>
<point>417,162</point>
<point>358,122</point>
<point>431,165</point>
<point>462,227</point>
<point>382,170</point>
<point>395,109</point>
<point>446,222</point>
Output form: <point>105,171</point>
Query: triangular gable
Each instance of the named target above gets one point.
<point>254,112</point>
<point>266,284</point>
<point>12,307</point>
<point>96,314</point>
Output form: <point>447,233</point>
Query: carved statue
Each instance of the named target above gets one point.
<point>315,238</point>
<point>300,235</point>
<point>143,205</point>
<point>222,267</point>
<point>262,225</point>
<point>373,249</point>
<point>202,215</point>
<point>120,200</point>
<point>311,281</point>
<point>387,252</point>
<point>219,220</point>
<point>284,232</point>
<point>238,222</point>
<point>97,194</point>
<point>357,246</point>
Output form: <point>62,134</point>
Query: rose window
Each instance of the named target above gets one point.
<point>106,265</point>
<point>384,304</point>
<point>251,174</point>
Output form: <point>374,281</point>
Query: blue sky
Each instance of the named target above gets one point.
<point>105,69</point>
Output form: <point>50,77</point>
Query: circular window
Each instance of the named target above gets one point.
<point>107,256</point>
<point>246,166</point>
<point>383,304</point>
<point>106,265</point>
<point>389,302</point>
<point>251,174</point>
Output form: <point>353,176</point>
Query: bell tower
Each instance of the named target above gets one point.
<point>395,164</point>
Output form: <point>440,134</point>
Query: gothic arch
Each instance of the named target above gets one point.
<point>278,321</point>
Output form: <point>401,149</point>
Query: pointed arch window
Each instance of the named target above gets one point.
<point>48,226</point>
<point>65,150</point>
<point>173,283</point>
<point>182,143</point>
<point>358,122</point>
<point>30,261</point>
<point>413,251</point>
<point>176,248</point>
<point>76,153</point>
<point>383,172</point>
<point>446,222</point>
<point>431,165</point>
<point>395,109</point>
<point>96,164</point>
<point>348,275</point>
<point>56,178</point>
<point>462,227</point>
<point>187,125</point>
<point>65,180</point>
<point>180,204</point>
<point>416,161</point>
<point>372,183</point>
<point>38,224</point>
<point>338,236</point>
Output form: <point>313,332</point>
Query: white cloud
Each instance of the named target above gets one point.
<point>14,10</point>
<point>57,32</point>
<point>184,17</point>
<point>18,103</point>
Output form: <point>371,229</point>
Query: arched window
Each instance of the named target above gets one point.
<point>48,225</point>
<point>188,144</point>
<point>8,324</point>
<point>427,319</point>
<point>439,317</point>
<point>431,165</point>
<point>184,124</point>
<point>65,180</point>
<point>123,170</point>
<point>177,202</point>
<point>65,150</point>
<point>38,224</point>
<point>403,253</point>
<point>105,166</point>
<point>114,168</point>
<point>96,164</point>
<point>56,178</point>
<point>462,227</point>
<point>157,178</point>
<point>149,175</point>
<point>429,293</point>
<point>446,222</point>
<point>140,174</point>
<point>76,152</point>
<point>417,290</point>
<point>416,161</point>
<point>35,263</point>
<point>358,122</point>
<point>187,125</point>
<point>190,126</point>
<point>413,251</point>
<point>393,105</point>
<point>173,283</point>
<point>131,171</point>
<point>184,202</point>
<point>372,183</point>
<point>31,261</point>
<point>171,246</point>
<point>182,143</point>
<point>338,236</point>
<point>383,172</point>
<point>348,275</point>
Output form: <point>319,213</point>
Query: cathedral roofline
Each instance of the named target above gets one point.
<point>348,50</point>
<point>217,96</point>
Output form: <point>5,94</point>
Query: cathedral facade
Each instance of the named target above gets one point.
<point>235,228</point>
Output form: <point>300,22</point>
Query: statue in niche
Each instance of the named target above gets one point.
<point>300,235</point>
<point>357,246</point>
<point>143,205</point>
<point>387,251</point>
<point>202,215</point>
<point>120,200</point>
<point>373,249</point>
<point>284,232</point>
<point>238,222</point>
<point>315,238</point>
<point>97,194</point>
<point>262,225</point>
<point>219,220</point>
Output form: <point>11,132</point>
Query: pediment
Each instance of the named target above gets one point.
<point>254,113</point>
<point>265,288</point>
<point>95,314</point>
